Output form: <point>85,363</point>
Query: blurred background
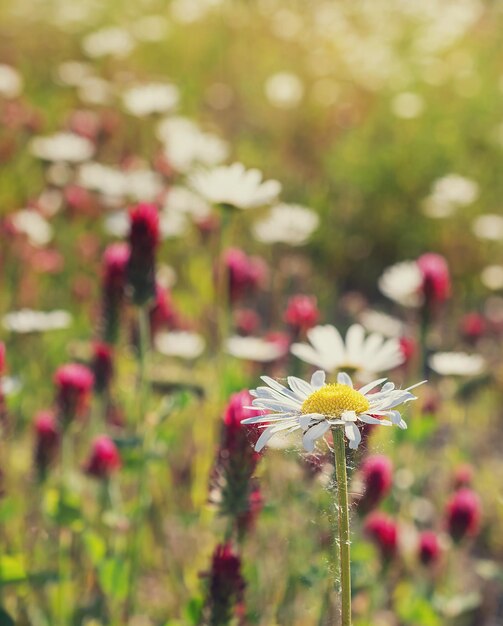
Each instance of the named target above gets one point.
<point>383,122</point>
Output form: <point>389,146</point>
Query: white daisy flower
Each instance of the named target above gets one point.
<point>489,226</point>
<point>287,223</point>
<point>254,349</point>
<point>11,81</point>
<point>235,186</point>
<point>357,352</point>
<point>492,277</point>
<point>144,100</point>
<point>183,344</point>
<point>29,321</point>
<point>66,147</point>
<point>402,283</point>
<point>185,145</point>
<point>110,41</point>
<point>34,226</point>
<point>457,364</point>
<point>315,407</point>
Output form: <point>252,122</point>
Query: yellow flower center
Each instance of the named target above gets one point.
<point>334,399</point>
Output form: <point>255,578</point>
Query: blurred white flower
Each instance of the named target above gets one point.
<point>235,186</point>
<point>72,73</point>
<point>359,353</point>
<point>29,321</point>
<point>185,145</point>
<point>287,223</point>
<point>489,226</point>
<point>11,82</point>
<point>95,90</point>
<point>110,41</point>
<point>183,344</point>
<point>401,282</point>
<point>407,105</point>
<point>143,185</point>
<point>284,90</point>
<point>65,147</point>
<point>189,11</point>
<point>457,364</point>
<point>144,100</point>
<point>379,322</point>
<point>34,226</point>
<point>255,349</point>
<point>151,28</point>
<point>117,224</point>
<point>104,179</point>
<point>9,385</point>
<point>492,277</point>
<point>185,201</point>
<point>172,224</point>
<point>448,193</point>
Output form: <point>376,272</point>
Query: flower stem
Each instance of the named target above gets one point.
<point>142,493</point>
<point>343,526</point>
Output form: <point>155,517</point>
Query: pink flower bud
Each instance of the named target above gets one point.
<point>377,474</point>
<point>302,312</point>
<point>384,533</point>
<point>102,366</point>
<point>143,241</point>
<point>408,348</point>
<point>463,476</point>
<point>473,326</point>
<point>163,315</point>
<point>74,383</point>
<point>47,440</point>
<point>226,585</point>
<point>115,260</point>
<point>436,279</point>
<point>429,550</point>
<point>245,274</point>
<point>2,357</point>
<point>104,459</point>
<point>463,514</point>
<point>247,321</point>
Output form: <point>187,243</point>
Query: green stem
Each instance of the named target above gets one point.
<point>343,526</point>
<point>141,505</point>
<point>63,533</point>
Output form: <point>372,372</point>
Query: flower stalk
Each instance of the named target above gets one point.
<point>343,538</point>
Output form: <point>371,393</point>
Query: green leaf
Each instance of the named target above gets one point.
<point>12,569</point>
<point>194,610</point>
<point>63,511</point>
<point>6,619</point>
<point>113,574</point>
<point>95,547</point>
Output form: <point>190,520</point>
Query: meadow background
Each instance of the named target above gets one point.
<point>383,117</point>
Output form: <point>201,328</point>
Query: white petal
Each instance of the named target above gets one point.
<point>263,439</point>
<point>368,387</point>
<point>300,387</point>
<point>353,434</point>
<point>318,379</point>
<point>348,416</point>
<point>344,379</point>
<point>316,431</point>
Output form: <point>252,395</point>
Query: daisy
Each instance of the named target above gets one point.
<point>11,82</point>
<point>235,186</point>
<point>402,283</point>
<point>489,226</point>
<point>317,406</point>
<point>29,321</point>
<point>457,364</point>
<point>185,145</point>
<point>66,147</point>
<point>358,353</point>
<point>287,223</point>
<point>255,349</point>
<point>145,100</point>
<point>183,344</point>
